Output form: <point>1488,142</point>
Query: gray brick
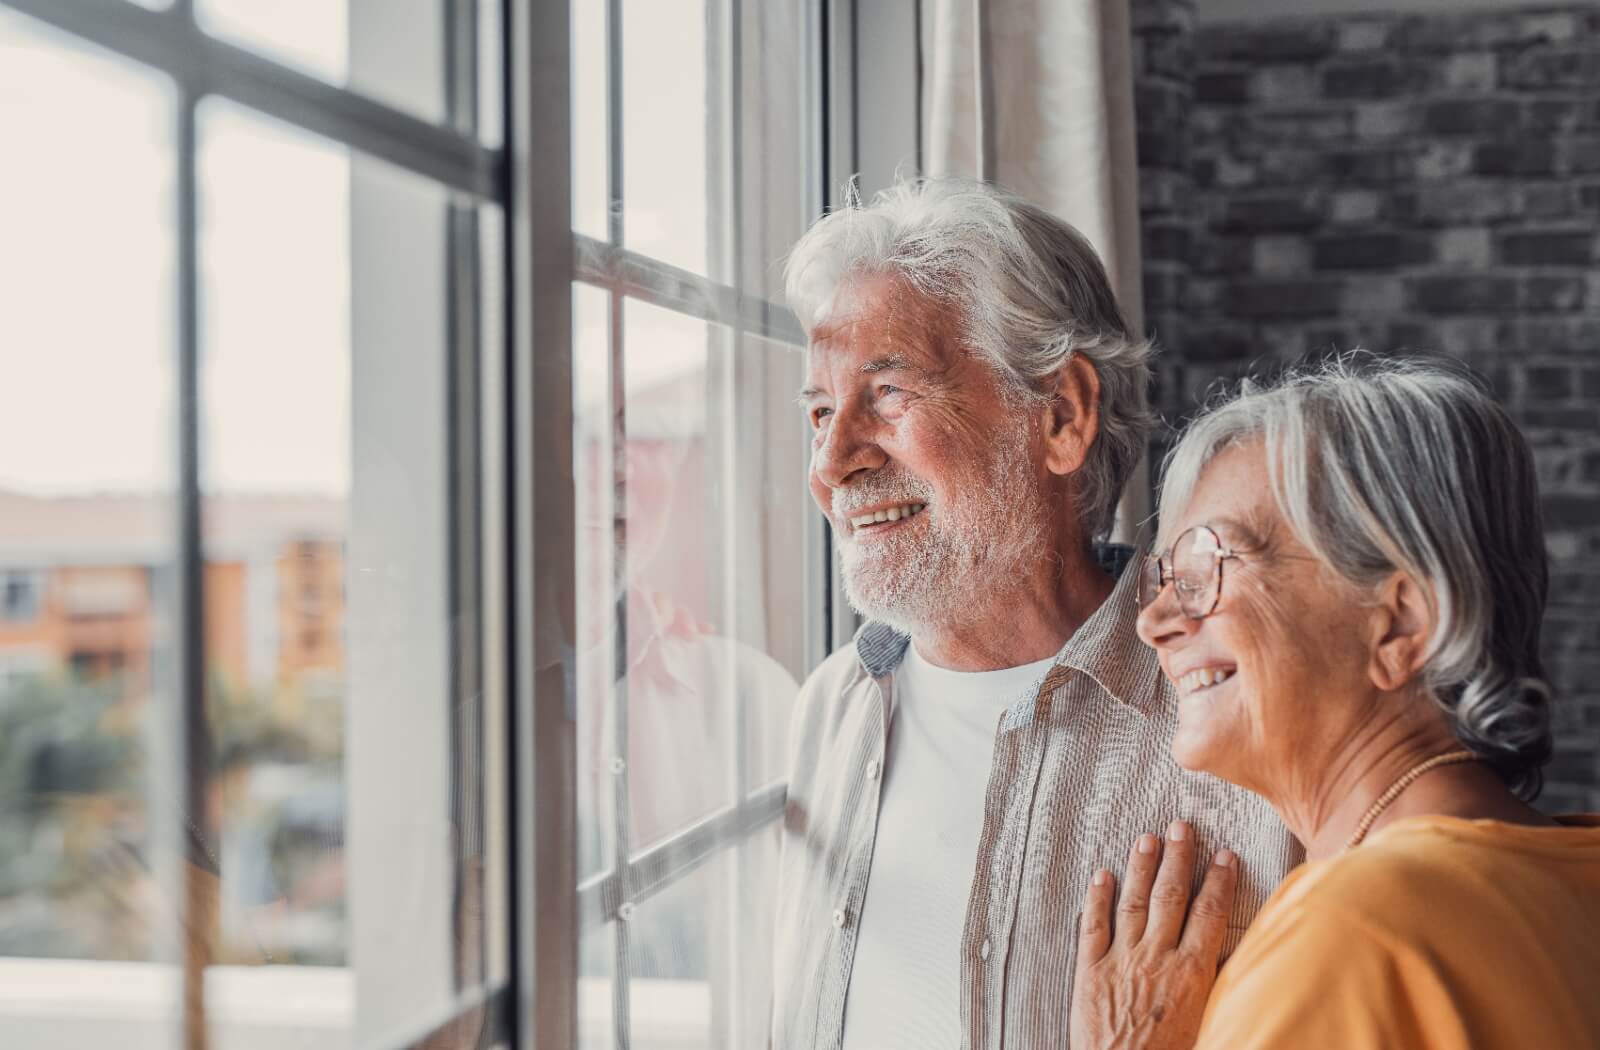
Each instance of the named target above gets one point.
<point>1358,206</point>
<point>1571,113</point>
<point>1288,297</point>
<point>1367,166</point>
<point>1473,71</point>
<point>1295,41</point>
<point>1277,85</point>
<point>1384,120</point>
<point>1370,77</point>
<point>1441,32</point>
<point>1565,510</point>
<point>1542,69</point>
<point>1548,383</point>
<point>1154,17</point>
<point>1578,155</point>
<point>1372,297</point>
<point>1277,211</point>
<point>1450,159</point>
<point>1549,200</point>
<point>1370,251</point>
<point>1163,148</point>
<point>1548,248</point>
<point>1169,55</point>
<point>1468,247</point>
<point>1364,34</point>
<point>1224,87</point>
<point>1553,293</point>
<point>1478,294</point>
<point>1218,342</point>
<point>1476,116</point>
<point>1565,335</point>
<point>1290,166</point>
<point>1302,125</point>
<point>1457,203</point>
<point>1280,255</point>
<point>1524,157</point>
<point>1166,241</point>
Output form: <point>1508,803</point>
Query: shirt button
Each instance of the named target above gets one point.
<point>983,950</point>
<point>872,770</point>
<point>838,917</point>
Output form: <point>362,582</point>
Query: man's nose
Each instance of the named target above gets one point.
<point>1162,622</point>
<point>847,447</point>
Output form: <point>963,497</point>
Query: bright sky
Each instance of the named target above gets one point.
<point>87,262</point>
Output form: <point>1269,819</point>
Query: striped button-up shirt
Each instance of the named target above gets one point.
<point>1079,771</point>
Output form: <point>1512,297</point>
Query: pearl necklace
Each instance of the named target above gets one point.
<point>1405,781</point>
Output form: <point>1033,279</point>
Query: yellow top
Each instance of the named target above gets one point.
<point>1436,933</point>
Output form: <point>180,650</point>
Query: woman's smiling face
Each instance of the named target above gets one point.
<point>1288,639</point>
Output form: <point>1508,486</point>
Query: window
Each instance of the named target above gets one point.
<point>418,570</point>
<point>258,797</point>
<point>698,612</point>
<point>19,595</point>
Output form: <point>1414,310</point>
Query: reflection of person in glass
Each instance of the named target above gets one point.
<point>997,733</point>
<point>705,711</point>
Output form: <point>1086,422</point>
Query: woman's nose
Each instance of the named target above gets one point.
<point>1162,622</point>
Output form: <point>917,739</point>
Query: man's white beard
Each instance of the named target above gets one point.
<point>966,553</point>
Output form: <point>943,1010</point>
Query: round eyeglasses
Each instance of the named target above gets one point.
<point>1193,564</point>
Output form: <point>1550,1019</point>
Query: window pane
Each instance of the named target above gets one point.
<point>676,683</point>
<point>670,133</point>
<point>778,170</point>
<point>595,532</point>
<point>591,193</point>
<point>87,542</point>
<point>699,606</point>
<point>342,603</point>
<point>394,51</point>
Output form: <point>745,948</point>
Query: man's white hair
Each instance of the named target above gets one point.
<point>1382,466</point>
<point>1029,287</point>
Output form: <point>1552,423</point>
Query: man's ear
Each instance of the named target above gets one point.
<point>1073,420</point>
<point>1402,626</point>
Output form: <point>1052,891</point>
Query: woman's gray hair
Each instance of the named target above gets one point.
<point>1410,466</point>
<point>1030,289</point>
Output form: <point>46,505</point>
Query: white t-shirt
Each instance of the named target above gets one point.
<point>905,984</point>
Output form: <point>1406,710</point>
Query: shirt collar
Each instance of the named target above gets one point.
<point>1106,648</point>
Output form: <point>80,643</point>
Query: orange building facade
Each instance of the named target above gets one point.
<point>86,591</point>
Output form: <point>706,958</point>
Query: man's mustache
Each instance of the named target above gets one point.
<point>883,486</point>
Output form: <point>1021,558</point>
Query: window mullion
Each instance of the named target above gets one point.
<point>197,901</point>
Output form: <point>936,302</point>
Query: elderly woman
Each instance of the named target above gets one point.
<point>1348,599</point>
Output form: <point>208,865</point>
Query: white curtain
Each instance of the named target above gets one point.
<point>1037,96</point>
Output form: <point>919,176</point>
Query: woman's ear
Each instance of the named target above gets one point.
<point>1073,419</point>
<point>1402,626</point>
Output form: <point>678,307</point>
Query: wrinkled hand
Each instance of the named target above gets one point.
<point>1142,979</point>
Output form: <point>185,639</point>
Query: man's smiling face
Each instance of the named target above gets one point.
<point>929,467</point>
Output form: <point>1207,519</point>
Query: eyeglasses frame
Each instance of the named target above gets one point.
<point>1165,574</point>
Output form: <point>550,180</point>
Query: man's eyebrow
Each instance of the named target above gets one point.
<point>892,363</point>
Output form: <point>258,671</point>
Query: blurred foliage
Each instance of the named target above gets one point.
<point>75,871</point>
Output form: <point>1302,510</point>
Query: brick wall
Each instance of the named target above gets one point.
<point>1398,183</point>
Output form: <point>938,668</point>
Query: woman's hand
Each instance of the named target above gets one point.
<point>1143,978</point>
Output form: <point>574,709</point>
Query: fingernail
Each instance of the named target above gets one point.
<point>1101,876</point>
<point>1147,843</point>
<point>1225,858</point>
<point>1176,831</point>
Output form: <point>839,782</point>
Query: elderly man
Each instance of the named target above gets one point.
<point>996,733</point>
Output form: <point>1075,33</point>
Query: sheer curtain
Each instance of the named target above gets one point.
<point>1037,96</point>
